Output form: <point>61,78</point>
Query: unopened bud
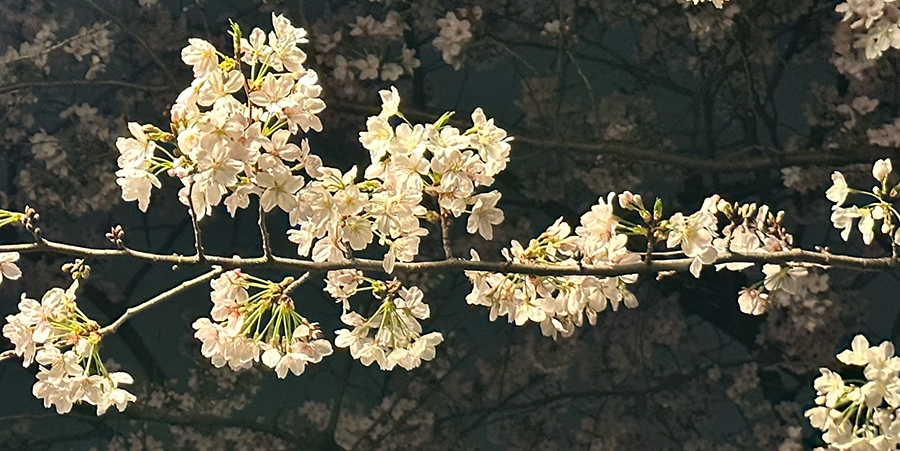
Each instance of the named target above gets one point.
<point>432,216</point>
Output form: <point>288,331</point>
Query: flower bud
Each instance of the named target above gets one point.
<point>882,169</point>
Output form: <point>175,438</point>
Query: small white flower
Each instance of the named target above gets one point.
<point>842,218</point>
<point>485,214</point>
<point>201,55</point>
<point>882,169</point>
<point>390,102</point>
<point>839,189</point>
<point>358,232</point>
<point>8,268</point>
<point>752,302</point>
<point>136,185</point>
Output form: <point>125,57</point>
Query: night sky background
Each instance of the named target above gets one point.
<point>653,96</point>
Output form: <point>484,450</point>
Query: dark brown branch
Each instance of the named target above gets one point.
<point>454,265</point>
<point>195,224</point>
<point>445,234</point>
<point>55,84</point>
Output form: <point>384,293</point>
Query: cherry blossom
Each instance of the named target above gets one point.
<point>8,268</point>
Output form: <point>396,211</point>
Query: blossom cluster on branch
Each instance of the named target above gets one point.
<point>66,345</point>
<point>877,24</point>
<point>264,326</point>
<point>860,413</point>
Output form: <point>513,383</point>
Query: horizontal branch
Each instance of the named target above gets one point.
<point>450,265</point>
<point>63,83</point>
<point>7,355</point>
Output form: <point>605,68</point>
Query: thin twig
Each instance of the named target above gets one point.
<point>141,42</point>
<point>7,355</point>
<point>63,43</point>
<point>445,234</point>
<point>198,242</point>
<point>587,85</point>
<point>296,283</point>
<point>58,83</point>
<point>266,246</point>
<point>131,311</point>
<point>455,265</point>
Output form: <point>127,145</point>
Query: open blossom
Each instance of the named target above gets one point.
<point>342,284</point>
<point>135,150</point>
<point>8,268</point>
<point>695,235</point>
<point>390,102</point>
<point>368,67</point>
<point>842,218</point>
<point>780,278</point>
<point>839,189</point>
<point>280,187</point>
<point>752,302</point>
<point>485,214</point>
<point>201,55</point>
<point>397,339</point>
<point>873,400</point>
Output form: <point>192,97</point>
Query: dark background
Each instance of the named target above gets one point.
<point>652,96</point>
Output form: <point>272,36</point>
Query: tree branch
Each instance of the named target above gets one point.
<point>451,265</point>
<point>7,355</point>
<point>445,234</point>
<point>198,243</point>
<point>54,84</point>
<point>60,44</point>
<point>266,246</point>
<point>159,298</point>
<point>296,283</point>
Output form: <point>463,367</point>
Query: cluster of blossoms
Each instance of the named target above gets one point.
<point>879,22</point>
<point>93,44</point>
<point>364,49</point>
<point>756,230</point>
<point>407,162</point>
<point>371,66</point>
<point>398,338</point>
<point>231,147</point>
<point>881,209</point>
<point>237,149</point>
<point>66,345</point>
<point>860,414</point>
<point>560,303</point>
<point>264,326</point>
<point>455,33</point>
<point>751,230</point>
